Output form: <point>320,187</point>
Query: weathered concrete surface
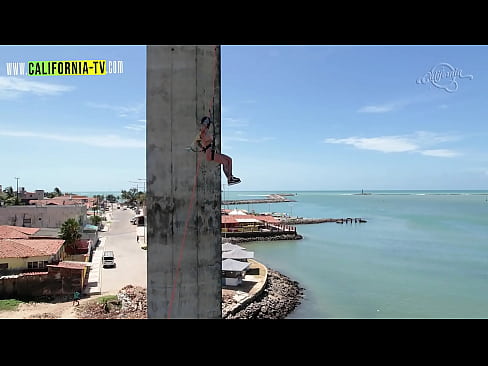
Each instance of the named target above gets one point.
<point>180,86</point>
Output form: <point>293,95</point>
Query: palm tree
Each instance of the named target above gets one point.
<point>9,191</point>
<point>8,196</point>
<point>70,232</point>
<point>57,192</point>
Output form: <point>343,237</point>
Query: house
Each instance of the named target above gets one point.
<point>227,247</point>
<point>238,254</point>
<point>233,272</point>
<point>47,216</point>
<point>90,232</point>
<point>23,255</point>
<point>89,202</point>
<point>16,232</point>
<point>25,196</point>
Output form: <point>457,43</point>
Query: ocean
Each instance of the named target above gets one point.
<point>421,254</point>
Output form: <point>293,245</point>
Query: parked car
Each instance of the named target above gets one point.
<point>108,259</point>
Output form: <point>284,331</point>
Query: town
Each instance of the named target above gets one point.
<point>54,244</point>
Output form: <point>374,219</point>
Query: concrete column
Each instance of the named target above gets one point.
<point>180,86</point>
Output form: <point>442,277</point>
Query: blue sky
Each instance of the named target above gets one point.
<point>78,133</point>
<point>293,118</point>
<point>355,117</point>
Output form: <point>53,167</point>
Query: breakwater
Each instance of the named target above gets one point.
<point>272,198</point>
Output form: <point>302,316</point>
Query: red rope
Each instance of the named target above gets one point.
<point>192,201</point>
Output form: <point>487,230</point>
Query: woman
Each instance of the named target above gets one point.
<point>204,142</point>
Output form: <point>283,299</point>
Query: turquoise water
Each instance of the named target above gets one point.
<point>420,255</point>
<point>93,193</point>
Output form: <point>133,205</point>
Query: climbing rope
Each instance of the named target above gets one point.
<point>193,194</point>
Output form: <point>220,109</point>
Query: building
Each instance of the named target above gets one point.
<point>227,247</point>
<point>233,272</point>
<point>238,254</point>
<point>25,196</point>
<point>24,255</point>
<point>49,216</point>
<point>33,263</point>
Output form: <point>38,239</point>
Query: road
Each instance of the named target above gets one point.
<point>130,259</point>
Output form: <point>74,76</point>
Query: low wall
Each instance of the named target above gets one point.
<point>257,234</point>
<point>58,283</point>
<point>250,298</point>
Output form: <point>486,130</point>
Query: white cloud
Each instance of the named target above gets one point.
<point>122,111</point>
<point>417,142</point>
<point>248,139</point>
<point>384,143</point>
<point>12,87</point>
<point>441,153</point>
<point>108,141</point>
<point>377,108</point>
<point>136,127</point>
<point>234,122</point>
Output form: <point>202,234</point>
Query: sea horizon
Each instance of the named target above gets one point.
<point>352,191</point>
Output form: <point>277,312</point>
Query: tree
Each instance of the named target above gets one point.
<point>70,232</point>
<point>130,196</point>
<point>8,196</point>
<point>57,192</point>
<point>9,192</point>
<point>96,220</point>
<point>111,198</point>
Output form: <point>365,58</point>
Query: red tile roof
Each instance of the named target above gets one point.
<point>69,265</point>
<point>232,219</point>
<point>24,248</point>
<point>16,232</point>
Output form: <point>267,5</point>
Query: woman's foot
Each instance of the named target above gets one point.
<point>233,180</point>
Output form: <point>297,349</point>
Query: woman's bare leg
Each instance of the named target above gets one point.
<point>223,159</point>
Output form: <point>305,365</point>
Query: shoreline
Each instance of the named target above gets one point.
<point>279,298</point>
<point>240,239</point>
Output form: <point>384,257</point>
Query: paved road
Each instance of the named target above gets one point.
<point>130,259</point>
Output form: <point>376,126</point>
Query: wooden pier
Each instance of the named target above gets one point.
<point>301,220</point>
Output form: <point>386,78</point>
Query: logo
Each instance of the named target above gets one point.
<point>65,68</point>
<point>444,76</point>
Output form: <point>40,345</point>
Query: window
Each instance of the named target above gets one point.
<point>3,266</point>
<point>33,265</point>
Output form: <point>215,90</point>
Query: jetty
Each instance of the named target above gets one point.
<point>301,220</point>
<point>271,198</point>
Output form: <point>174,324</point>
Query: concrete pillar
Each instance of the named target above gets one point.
<point>180,86</point>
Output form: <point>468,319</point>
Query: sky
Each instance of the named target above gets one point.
<point>78,133</point>
<point>356,117</point>
<point>293,118</point>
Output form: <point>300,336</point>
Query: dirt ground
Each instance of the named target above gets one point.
<point>44,310</point>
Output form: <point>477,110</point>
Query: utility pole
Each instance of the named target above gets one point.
<point>17,199</point>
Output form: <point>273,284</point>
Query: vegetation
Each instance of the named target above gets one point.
<point>70,232</point>
<point>110,303</point>
<point>56,193</point>
<point>9,304</point>
<point>111,198</point>
<point>133,197</point>
<point>8,196</point>
<point>96,220</point>
<point>107,298</point>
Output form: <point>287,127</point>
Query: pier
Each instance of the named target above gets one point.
<point>301,220</point>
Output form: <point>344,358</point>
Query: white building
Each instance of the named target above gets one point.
<point>50,216</point>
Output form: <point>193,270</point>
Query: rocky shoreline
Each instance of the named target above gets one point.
<point>240,239</point>
<point>280,297</point>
